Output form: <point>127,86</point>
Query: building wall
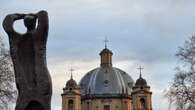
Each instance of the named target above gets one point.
<point>75,96</point>
<point>137,104</point>
<point>98,104</point>
<point>139,94</point>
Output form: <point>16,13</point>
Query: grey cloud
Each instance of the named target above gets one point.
<point>142,32</point>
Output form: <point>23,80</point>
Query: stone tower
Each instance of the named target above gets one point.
<point>141,95</point>
<point>71,97</point>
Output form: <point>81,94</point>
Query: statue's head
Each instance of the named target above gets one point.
<point>30,22</point>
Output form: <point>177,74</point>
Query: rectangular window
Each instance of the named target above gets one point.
<point>106,107</point>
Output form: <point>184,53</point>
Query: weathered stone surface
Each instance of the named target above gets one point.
<point>28,52</point>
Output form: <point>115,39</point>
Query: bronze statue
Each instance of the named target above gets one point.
<point>28,52</point>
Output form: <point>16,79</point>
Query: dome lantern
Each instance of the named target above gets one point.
<point>106,58</point>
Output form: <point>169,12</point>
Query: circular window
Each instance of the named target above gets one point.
<point>106,83</point>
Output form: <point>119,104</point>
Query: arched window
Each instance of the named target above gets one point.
<point>70,105</point>
<point>142,103</point>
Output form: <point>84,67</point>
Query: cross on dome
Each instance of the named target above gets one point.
<point>71,72</point>
<point>140,70</point>
<point>106,41</point>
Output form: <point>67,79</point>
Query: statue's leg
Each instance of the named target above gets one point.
<point>36,103</point>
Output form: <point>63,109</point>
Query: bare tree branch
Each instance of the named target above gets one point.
<point>182,90</point>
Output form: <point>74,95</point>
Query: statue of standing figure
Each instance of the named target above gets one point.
<point>28,52</point>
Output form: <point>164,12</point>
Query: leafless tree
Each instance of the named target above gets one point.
<point>182,90</point>
<point>7,90</point>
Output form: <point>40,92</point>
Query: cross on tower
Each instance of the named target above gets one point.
<point>106,41</point>
<point>71,71</point>
<point>140,70</point>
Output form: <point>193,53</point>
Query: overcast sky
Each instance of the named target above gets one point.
<point>140,32</point>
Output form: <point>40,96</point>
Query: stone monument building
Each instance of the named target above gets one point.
<point>107,88</point>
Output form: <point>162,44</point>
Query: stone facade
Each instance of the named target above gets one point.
<point>142,98</point>
<point>111,104</point>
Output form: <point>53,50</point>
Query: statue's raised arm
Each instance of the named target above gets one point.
<point>43,22</point>
<point>9,22</point>
<point>42,27</point>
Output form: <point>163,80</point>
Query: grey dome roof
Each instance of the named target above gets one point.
<point>141,82</point>
<point>71,83</point>
<point>106,81</point>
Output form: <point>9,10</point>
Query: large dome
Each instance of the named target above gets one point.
<point>106,81</point>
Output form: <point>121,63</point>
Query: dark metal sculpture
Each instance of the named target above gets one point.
<point>28,52</point>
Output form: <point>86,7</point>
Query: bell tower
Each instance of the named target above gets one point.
<point>71,97</point>
<point>141,94</point>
